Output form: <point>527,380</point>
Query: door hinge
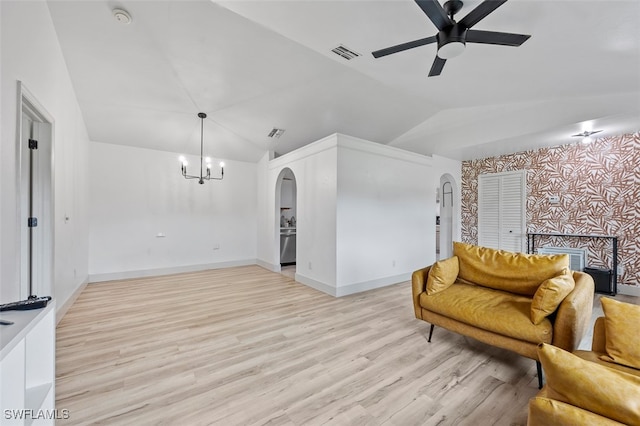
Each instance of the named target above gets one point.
<point>33,144</point>
<point>32,222</point>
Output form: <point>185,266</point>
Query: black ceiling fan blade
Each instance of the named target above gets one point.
<point>436,13</point>
<point>437,66</point>
<point>480,12</point>
<point>404,46</point>
<point>494,37</point>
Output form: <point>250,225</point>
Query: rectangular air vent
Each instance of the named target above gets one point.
<point>577,256</point>
<point>346,53</point>
<point>275,133</point>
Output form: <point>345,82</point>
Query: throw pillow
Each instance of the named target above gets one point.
<point>622,341</point>
<point>442,275</point>
<point>590,386</point>
<point>550,294</point>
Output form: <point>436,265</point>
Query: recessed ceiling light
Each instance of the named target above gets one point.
<point>122,16</point>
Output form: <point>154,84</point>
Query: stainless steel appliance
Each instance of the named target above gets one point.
<point>287,246</point>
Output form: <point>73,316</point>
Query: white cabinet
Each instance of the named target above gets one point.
<point>27,367</point>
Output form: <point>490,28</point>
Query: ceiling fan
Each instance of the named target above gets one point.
<point>452,36</point>
<point>586,135</point>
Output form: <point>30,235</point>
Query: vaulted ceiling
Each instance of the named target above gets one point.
<point>255,65</point>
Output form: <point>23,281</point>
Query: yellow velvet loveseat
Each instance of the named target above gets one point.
<point>514,301</point>
<point>598,387</point>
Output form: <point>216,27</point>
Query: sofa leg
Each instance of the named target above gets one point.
<point>430,333</point>
<point>540,377</point>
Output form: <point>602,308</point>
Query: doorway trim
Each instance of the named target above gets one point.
<point>278,212</point>
<point>28,104</point>
<point>449,210</point>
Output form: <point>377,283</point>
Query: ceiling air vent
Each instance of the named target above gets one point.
<point>275,133</point>
<point>346,53</point>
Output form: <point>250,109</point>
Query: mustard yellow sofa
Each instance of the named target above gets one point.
<point>597,387</point>
<point>510,300</point>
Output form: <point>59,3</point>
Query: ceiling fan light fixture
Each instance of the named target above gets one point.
<point>451,50</point>
<point>451,43</point>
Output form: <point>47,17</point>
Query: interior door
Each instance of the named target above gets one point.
<point>501,210</point>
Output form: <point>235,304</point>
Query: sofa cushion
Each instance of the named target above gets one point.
<point>492,310</point>
<point>590,386</point>
<point>622,341</point>
<point>596,357</point>
<point>549,412</point>
<point>442,274</point>
<point>502,270</point>
<point>550,294</point>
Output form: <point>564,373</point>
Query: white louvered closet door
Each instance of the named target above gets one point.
<point>501,210</point>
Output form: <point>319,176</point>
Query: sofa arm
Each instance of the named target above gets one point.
<point>418,286</point>
<point>574,313</point>
<point>599,341</point>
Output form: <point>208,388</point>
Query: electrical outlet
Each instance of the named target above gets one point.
<point>393,263</point>
<point>216,246</point>
<point>310,268</point>
<point>620,270</point>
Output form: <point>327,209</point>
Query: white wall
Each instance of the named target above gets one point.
<point>265,206</point>
<point>30,52</point>
<point>315,169</point>
<point>361,206</point>
<point>385,219</point>
<point>137,194</point>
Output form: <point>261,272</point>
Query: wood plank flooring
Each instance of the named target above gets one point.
<point>245,346</point>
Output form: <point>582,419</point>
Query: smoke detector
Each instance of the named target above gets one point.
<point>122,16</point>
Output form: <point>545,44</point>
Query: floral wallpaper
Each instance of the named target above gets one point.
<point>599,189</point>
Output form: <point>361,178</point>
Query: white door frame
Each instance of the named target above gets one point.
<point>43,131</point>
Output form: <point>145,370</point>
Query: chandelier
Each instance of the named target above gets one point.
<point>203,160</point>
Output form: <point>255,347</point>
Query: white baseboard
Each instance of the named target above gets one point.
<point>125,275</point>
<point>629,290</point>
<point>320,286</point>
<point>346,290</point>
<point>268,266</point>
<point>373,284</point>
<point>62,309</point>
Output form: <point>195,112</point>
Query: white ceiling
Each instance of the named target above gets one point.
<point>255,65</point>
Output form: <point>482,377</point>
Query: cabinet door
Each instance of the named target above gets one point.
<point>501,210</point>
<point>489,211</point>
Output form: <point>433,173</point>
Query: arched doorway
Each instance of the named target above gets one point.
<point>286,220</point>
<point>448,194</point>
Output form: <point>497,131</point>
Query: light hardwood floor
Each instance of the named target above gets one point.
<point>245,346</point>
